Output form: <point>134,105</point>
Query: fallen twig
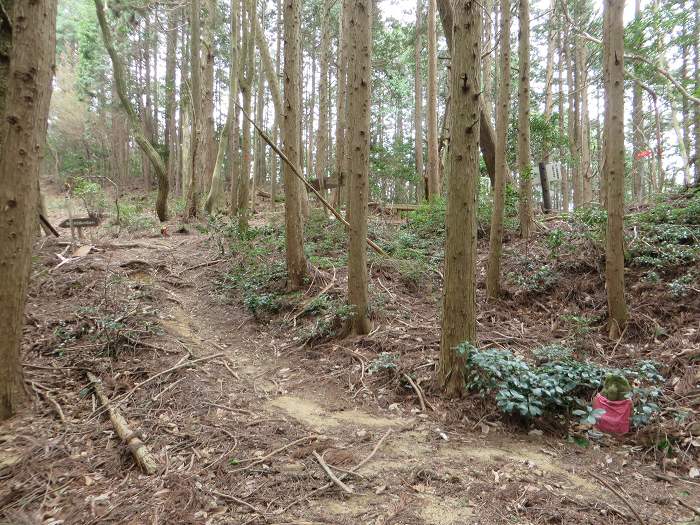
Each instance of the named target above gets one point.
<point>620,496</point>
<point>274,452</point>
<point>201,265</point>
<point>684,504</point>
<point>239,501</point>
<point>342,477</point>
<point>331,475</point>
<point>138,449</point>
<point>418,392</point>
<point>180,364</point>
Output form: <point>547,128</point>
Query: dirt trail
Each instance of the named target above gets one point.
<point>214,426</point>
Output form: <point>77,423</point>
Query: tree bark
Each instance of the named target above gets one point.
<point>171,96</point>
<point>524,163</point>
<point>418,88</point>
<point>207,144</point>
<point>341,103</point>
<point>493,271</point>
<point>359,87</point>
<point>322,135</point>
<point>696,107</point>
<point>613,53</point>
<point>586,173</point>
<point>141,139</point>
<point>217,183</point>
<point>459,298</point>
<point>637,130</point>
<point>433,156</point>
<point>195,110</point>
<point>296,260</point>
<point>27,54</point>
<point>247,84</point>
<point>564,172</point>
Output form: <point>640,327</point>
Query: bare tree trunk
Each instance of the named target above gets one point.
<point>637,131</point>
<point>564,172</point>
<point>493,275</point>
<point>147,110</point>
<point>433,155</point>
<point>247,84</point>
<point>206,144</point>
<point>459,298</point>
<point>613,53</point>
<point>170,96</point>
<point>322,135</point>
<point>275,134</point>
<point>359,86</point>
<point>196,110</point>
<point>25,91</point>
<point>572,120</point>
<point>341,106</point>
<point>217,183</point>
<point>524,162</point>
<point>418,87</point>
<point>296,260</point>
<point>120,141</point>
<point>586,173</point>
<point>141,139</point>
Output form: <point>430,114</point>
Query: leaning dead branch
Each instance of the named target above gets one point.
<point>138,449</point>
<point>331,475</point>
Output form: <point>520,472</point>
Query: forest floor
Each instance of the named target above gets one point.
<point>265,388</point>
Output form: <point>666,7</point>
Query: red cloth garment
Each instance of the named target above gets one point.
<point>616,419</point>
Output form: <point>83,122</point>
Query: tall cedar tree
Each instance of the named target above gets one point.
<point>27,54</point>
<point>493,276</point>
<point>192,197</point>
<point>359,89</point>
<point>613,56</point>
<point>459,299</point>
<point>296,260</point>
<point>433,158</point>
<point>418,88</point>
<point>524,163</point>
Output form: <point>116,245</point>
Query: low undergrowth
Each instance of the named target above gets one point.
<point>559,388</point>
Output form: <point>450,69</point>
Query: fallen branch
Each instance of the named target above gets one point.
<point>342,477</point>
<point>275,452</point>
<point>418,392</point>
<point>298,174</point>
<point>180,364</point>
<point>620,496</point>
<point>330,474</point>
<point>138,449</point>
<point>239,501</point>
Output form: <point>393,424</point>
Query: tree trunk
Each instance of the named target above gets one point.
<point>524,163</point>
<point>206,144</point>
<point>493,275</point>
<point>341,106</point>
<point>26,73</point>
<point>586,173</point>
<point>120,141</point>
<point>459,299</point>
<point>613,53</point>
<point>564,172</point>
<point>572,120</point>
<point>275,134</point>
<point>247,85</point>
<point>296,260</point>
<point>196,110</point>
<point>170,96</point>
<point>637,131</point>
<point>359,87</point>
<point>141,139</point>
<point>322,135</point>
<point>418,114</point>
<point>217,183</point>
<point>433,156</point>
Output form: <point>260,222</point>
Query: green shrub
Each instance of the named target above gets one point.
<point>558,388</point>
<point>93,196</point>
